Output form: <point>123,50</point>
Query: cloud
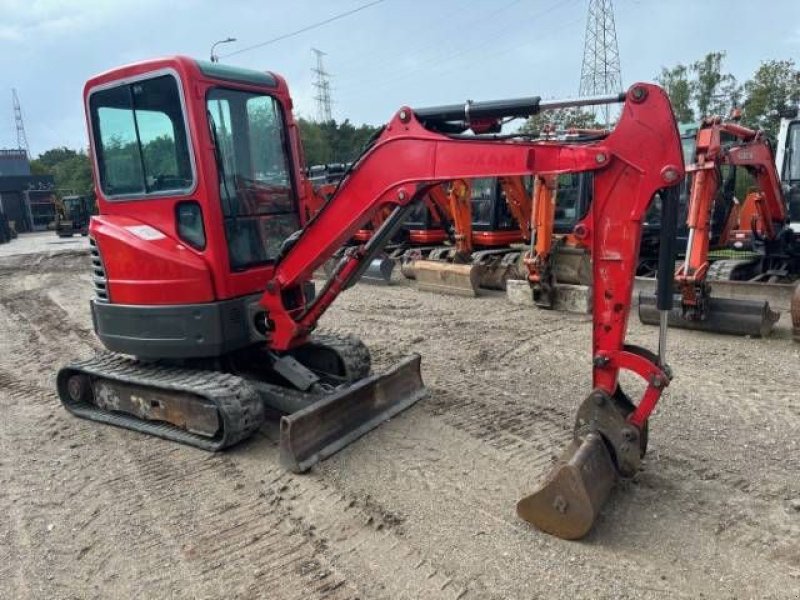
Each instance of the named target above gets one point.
<point>23,21</point>
<point>10,34</point>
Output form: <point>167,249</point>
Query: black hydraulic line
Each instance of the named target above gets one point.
<point>379,239</point>
<point>503,109</point>
<point>666,247</point>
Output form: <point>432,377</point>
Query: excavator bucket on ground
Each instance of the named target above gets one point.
<point>379,271</point>
<point>604,447</point>
<point>722,315</point>
<point>447,278</point>
<point>574,491</point>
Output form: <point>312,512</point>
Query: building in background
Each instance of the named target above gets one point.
<point>28,201</point>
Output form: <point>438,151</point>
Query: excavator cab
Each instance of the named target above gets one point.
<point>201,187</point>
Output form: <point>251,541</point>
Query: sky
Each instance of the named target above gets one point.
<point>394,53</point>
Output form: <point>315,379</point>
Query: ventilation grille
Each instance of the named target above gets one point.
<point>98,273</point>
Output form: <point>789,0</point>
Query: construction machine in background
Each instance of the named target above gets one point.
<point>759,226</point>
<point>787,160</point>
<point>202,266</point>
<point>72,215</point>
<point>487,216</point>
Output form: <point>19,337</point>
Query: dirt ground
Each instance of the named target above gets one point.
<point>42,242</point>
<point>423,507</point>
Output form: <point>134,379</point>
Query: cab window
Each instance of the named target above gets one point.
<point>140,138</point>
<point>255,182</point>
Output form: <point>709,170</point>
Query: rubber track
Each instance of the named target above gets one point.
<point>351,350</point>
<point>721,270</point>
<point>240,407</point>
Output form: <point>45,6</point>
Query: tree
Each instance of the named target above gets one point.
<point>71,169</point>
<point>679,88</point>
<point>333,142</point>
<point>774,86</point>
<point>560,119</point>
<point>713,91</point>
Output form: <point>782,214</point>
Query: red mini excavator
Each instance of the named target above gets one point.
<point>202,260</point>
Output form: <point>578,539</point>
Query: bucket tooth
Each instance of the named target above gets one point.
<point>723,315</point>
<point>447,278</point>
<point>316,432</point>
<point>572,494</point>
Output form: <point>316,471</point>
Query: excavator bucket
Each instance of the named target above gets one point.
<point>379,271</point>
<point>447,278</point>
<point>723,315</point>
<point>605,447</point>
<point>331,423</point>
<point>573,492</point>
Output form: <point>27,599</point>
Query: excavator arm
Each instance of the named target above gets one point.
<point>537,261</point>
<point>751,150</point>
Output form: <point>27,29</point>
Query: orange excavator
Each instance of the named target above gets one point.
<point>759,225</point>
<point>486,217</point>
<point>202,266</point>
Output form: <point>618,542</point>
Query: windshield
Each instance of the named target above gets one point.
<point>255,188</point>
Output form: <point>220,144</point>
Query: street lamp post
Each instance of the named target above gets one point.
<point>214,57</point>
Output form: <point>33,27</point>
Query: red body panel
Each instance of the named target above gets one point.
<point>145,266</point>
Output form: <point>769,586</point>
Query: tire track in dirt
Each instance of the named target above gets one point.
<point>66,513</point>
<point>174,511</point>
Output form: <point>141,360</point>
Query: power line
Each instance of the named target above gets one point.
<point>304,29</point>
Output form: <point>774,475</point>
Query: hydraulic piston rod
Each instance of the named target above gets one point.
<point>502,109</point>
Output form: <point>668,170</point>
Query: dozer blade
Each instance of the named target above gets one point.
<point>379,271</point>
<point>732,317</point>
<point>325,427</point>
<point>569,499</point>
<point>447,278</point>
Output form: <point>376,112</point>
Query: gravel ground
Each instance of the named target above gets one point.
<point>423,507</point>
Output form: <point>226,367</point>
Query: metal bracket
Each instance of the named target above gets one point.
<point>295,373</point>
